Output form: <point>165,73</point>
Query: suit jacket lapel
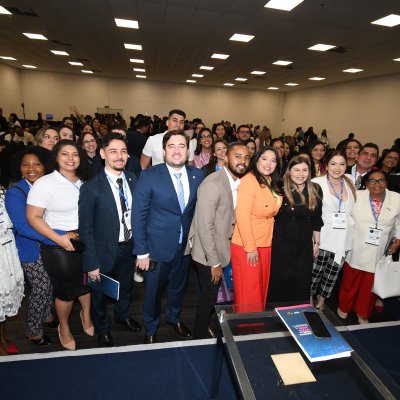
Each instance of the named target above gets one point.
<point>108,193</point>
<point>228,189</point>
<point>170,186</point>
<point>192,185</point>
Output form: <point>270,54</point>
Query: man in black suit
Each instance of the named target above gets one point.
<point>138,138</point>
<point>105,228</point>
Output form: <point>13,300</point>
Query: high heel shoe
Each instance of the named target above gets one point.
<point>321,303</point>
<point>67,346</point>
<point>379,306</point>
<point>341,314</point>
<point>89,331</point>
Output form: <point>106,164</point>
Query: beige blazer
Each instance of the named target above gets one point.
<point>213,222</point>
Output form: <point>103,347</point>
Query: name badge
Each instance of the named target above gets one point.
<point>374,236</point>
<point>339,220</point>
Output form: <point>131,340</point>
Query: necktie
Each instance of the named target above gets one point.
<point>181,198</point>
<point>358,182</point>
<point>123,208</point>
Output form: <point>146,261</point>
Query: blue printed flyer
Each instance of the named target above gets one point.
<point>315,349</point>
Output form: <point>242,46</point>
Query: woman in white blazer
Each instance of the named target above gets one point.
<point>339,195</point>
<point>377,222</point>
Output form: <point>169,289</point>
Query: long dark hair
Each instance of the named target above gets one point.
<point>199,146</point>
<point>82,172</point>
<point>210,167</point>
<point>274,184</point>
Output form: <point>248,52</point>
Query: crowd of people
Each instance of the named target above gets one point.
<point>91,198</point>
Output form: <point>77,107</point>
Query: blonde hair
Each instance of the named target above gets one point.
<point>289,186</point>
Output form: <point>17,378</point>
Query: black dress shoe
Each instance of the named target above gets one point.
<point>106,340</point>
<point>211,333</point>
<point>130,324</point>
<point>149,339</point>
<point>181,329</point>
<point>42,341</point>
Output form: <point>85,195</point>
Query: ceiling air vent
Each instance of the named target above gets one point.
<point>82,59</point>
<point>61,43</point>
<point>339,50</point>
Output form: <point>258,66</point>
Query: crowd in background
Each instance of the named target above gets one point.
<point>302,212</point>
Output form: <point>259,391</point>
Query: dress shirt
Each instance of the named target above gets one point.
<point>112,180</point>
<point>184,180</point>
<point>234,186</point>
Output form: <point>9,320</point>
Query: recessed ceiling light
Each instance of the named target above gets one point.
<point>133,46</point>
<point>282,62</point>
<point>59,53</point>
<point>190,81</point>
<point>29,66</point>
<point>394,59</point>
<point>390,20</point>
<point>291,84</point>
<point>4,11</point>
<point>238,37</point>
<point>286,5</point>
<point>316,78</point>
<point>197,75</point>
<point>127,23</point>
<point>139,69</point>
<point>258,72</point>
<point>273,88</point>
<point>352,70</point>
<point>220,56</point>
<point>87,71</point>
<point>229,84</point>
<point>241,79</point>
<point>321,47</point>
<point>206,67</point>
<point>136,60</point>
<point>8,58</point>
<point>141,76</point>
<point>79,64</point>
<point>36,36</point>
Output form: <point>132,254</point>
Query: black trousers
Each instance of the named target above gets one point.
<point>122,271</point>
<point>207,300</point>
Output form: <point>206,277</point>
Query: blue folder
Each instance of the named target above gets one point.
<point>106,285</point>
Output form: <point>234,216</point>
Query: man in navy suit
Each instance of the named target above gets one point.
<point>163,205</point>
<point>105,228</point>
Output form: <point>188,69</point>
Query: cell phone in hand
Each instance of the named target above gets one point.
<point>317,325</point>
<point>153,265</point>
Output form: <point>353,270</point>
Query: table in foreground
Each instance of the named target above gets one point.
<point>250,338</point>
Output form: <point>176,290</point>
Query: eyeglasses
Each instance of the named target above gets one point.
<point>205,137</point>
<point>390,158</point>
<point>89,141</point>
<point>376,181</point>
<point>244,133</point>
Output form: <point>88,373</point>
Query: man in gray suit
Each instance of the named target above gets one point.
<point>211,231</point>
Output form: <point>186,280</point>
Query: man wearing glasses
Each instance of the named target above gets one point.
<point>243,133</point>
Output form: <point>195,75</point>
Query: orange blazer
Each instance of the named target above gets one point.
<point>255,211</point>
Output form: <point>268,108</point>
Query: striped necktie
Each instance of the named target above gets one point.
<point>181,198</point>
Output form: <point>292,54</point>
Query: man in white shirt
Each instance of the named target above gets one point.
<point>212,229</point>
<point>153,149</point>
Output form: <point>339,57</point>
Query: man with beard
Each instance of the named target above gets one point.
<point>212,229</point>
<point>163,206</point>
<point>105,228</point>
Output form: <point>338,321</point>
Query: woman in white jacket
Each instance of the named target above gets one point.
<point>377,222</point>
<point>339,196</point>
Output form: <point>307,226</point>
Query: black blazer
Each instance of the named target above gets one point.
<point>99,222</point>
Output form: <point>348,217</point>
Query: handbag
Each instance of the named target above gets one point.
<point>225,295</point>
<point>387,278</point>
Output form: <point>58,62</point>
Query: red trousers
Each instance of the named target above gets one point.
<point>355,291</point>
<point>250,283</point>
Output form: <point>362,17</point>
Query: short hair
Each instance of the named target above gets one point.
<point>111,136</point>
<point>40,152</point>
<point>177,111</point>
<point>370,145</point>
<point>232,145</point>
<point>177,132</point>
<point>243,126</point>
<point>142,123</point>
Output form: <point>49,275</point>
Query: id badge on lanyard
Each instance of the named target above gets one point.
<point>339,220</point>
<point>373,236</point>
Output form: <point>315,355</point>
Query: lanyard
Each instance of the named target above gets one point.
<point>122,194</point>
<point>340,195</point>
<point>376,216</point>
<point>72,183</point>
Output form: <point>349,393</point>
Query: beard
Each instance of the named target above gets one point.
<point>238,174</point>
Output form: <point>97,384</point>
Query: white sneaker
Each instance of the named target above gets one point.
<point>138,276</point>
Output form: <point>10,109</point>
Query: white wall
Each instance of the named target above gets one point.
<point>368,107</point>
<point>10,91</point>
<point>53,93</point>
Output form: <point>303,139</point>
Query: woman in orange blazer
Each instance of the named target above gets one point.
<point>258,202</point>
